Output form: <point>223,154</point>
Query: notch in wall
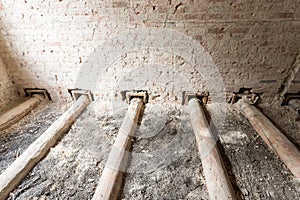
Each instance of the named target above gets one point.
<point>245,92</point>
<point>76,93</point>
<point>292,100</point>
<point>128,95</point>
<point>29,92</point>
<point>201,96</point>
<point>290,96</point>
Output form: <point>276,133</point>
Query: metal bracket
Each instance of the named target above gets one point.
<point>128,95</point>
<point>29,92</point>
<point>76,93</point>
<point>289,96</point>
<point>202,96</point>
<point>292,100</point>
<point>247,93</point>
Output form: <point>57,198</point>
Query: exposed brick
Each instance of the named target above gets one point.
<point>239,30</point>
<point>120,4</point>
<point>191,16</point>
<point>216,1</point>
<point>198,37</point>
<point>249,41</point>
<point>283,15</point>
<point>53,44</point>
<point>215,16</point>
<point>162,9</point>
<point>216,30</point>
<point>153,24</point>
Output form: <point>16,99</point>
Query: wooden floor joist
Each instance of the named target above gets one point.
<point>217,181</point>
<point>13,175</point>
<point>15,114</point>
<point>111,179</point>
<point>273,137</point>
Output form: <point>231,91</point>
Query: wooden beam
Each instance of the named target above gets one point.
<point>273,137</point>
<point>13,175</point>
<point>110,182</point>
<point>15,114</point>
<point>217,181</point>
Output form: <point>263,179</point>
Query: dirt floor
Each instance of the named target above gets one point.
<point>173,169</point>
<point>165,162</point>
<point>256,171</point>
<point>18,137</point>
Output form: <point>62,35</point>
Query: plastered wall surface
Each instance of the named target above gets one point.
<point>8,91</point>
<point>253,44</point>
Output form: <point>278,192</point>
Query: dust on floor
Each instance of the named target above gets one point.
<point>72,168</point>
<point>18,137</point>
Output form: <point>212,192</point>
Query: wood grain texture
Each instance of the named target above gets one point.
<point>273,137</point>
<point>110,182</point>
<point>13,175</point>
<point>15,114</point>
<point>217,181</point>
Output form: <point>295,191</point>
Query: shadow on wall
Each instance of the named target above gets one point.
<point>12,92</point>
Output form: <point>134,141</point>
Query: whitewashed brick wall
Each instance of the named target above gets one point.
<point>253,43</point>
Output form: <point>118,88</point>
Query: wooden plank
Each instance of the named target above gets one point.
<point>110,182</point>
<point>273,137</point>
<point>217,181</point>
<point>13,175</point>
<point>15,114</point>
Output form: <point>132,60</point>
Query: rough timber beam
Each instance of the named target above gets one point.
<point>111,179</point>
<point>13,175</point>
<point>17,113</point>
<point>272,136</point>
<point>217,181</point>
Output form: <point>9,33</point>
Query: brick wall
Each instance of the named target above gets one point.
<point>8,92</point>
<point>252,43</point>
